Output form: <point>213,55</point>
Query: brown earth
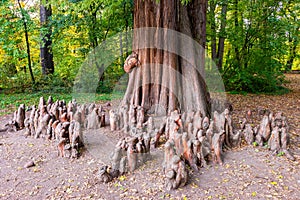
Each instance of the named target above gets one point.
<point>248,172</point>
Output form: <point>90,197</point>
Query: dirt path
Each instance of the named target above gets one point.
<point>247,173</point>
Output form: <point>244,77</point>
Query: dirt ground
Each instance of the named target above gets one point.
<point>248,172</point>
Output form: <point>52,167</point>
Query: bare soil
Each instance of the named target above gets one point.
<point>248,172</point>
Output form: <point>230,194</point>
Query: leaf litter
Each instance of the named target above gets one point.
<point>248,172</point>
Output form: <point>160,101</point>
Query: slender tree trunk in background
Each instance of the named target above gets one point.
<point>93,37</point>
<point>293,43</point>
<point>126,30</point>
<point>93,27</point>
<point>236,25</point>
<point>220,53</point>
<point>121,49</point>
<point>27,43</point>
<point>212,6</point>
<point>126,42</point>
<point>158,81</point>
<point>46,54</point>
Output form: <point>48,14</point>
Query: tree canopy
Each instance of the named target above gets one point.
<point>260,41</point>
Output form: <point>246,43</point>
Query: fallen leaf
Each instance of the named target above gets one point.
<point>36,169</point>
<point>225,180</point>
<point>69,190</point>
<point>274,183</point>
<point>194,185</point>
<point>122,178</point>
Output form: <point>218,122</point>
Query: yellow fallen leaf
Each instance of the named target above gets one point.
<point>253,194</point>
<point>122,178</point>
<point>225,180</point>
<point>194,185</point>
<point>116,184</point>
<point>69,190</point>
<point>274,183</point>
<point>36,169</point>
<point>30,145</point>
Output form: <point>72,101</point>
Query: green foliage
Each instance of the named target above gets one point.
<point>12,47</point>
<point>252,81</point>
<point>78,26</point>
<point>257,43</point>
<point>185,2</point>
<point>260,36</point>
<point>114,72</point>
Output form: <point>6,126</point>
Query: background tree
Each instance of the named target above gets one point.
<point>291,17</point>
<point>27,42</point>
<point>46,35</point>
<point>257,43</point>
<point>217,49</point>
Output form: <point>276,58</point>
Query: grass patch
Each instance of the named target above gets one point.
<point>10,102</point>
<point>279,91</point>
<point>238,92</point>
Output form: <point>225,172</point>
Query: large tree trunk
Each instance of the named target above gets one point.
<point>166,80</point>
<point>46,45</point>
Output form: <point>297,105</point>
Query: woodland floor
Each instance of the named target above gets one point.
<point>248,172</point>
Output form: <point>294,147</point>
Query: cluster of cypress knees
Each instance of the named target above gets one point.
<point>191,139</point>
